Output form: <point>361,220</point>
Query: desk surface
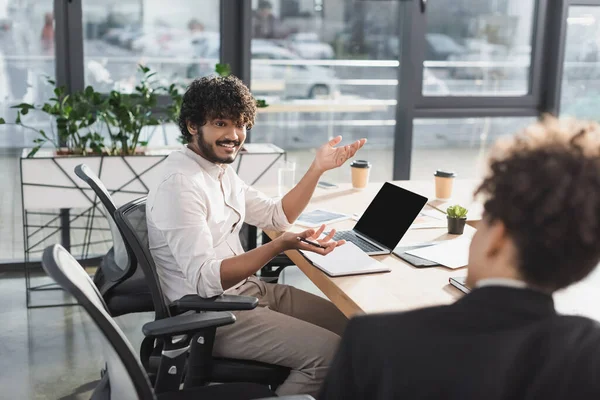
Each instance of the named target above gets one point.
<point>405,287</point>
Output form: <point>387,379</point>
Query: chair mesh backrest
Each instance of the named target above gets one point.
<point>121,256</point>
<point>131,219</point>
<point>126,376</point>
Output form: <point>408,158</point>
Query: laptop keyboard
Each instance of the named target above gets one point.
<point>349,236</point>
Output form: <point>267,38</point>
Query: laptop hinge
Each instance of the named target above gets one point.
<point>373,242</point>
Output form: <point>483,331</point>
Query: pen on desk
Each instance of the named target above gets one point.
<point>311,243</point>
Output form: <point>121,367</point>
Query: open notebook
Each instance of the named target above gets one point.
<point>347,259</point>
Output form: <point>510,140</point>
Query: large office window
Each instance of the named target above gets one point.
<point>179,39</point>
<point>485,56</point>
<point>26,58</point>
<point>479,47</point>
<point>458,144</point>
<point>326,68</point>
<point>580,95</point>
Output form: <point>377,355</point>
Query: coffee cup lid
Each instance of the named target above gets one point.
<point>360,164</point>
<point>444,174</point>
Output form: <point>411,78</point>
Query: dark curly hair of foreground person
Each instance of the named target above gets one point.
<point>544,185</point>
<point>215,97</point>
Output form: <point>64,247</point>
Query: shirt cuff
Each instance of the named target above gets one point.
<point>280,220</point>
<point>209,284</point>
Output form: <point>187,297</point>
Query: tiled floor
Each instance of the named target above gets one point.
<point>47,353</point>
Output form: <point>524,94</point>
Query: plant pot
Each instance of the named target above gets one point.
<point>49,181</point>
<point>456,226</point>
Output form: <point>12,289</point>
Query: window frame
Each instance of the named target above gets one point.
<point>545,78</point>
<point>544,85</point>
<point>531,100</point>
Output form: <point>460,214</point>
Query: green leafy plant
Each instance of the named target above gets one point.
<point>81,116</point>
<point>223,69</point>
<point>457,211</point>
<point>126,115</point>
<point>75,116</point>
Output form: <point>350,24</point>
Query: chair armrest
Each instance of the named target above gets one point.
<point>225,302</point>
<point>187,323</point>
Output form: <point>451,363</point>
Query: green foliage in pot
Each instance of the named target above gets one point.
<point>75,115</point>
<point>81,116</point>
<point>126,115</point>
<point>457,212</point>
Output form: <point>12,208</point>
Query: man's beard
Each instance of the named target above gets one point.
<point>208,151</point>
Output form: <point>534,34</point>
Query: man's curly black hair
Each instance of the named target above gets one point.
<point>215,97</point>
<point>544,185</point>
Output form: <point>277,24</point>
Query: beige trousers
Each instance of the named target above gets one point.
<point>291,328</point>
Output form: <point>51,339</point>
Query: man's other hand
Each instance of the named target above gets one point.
<point>289,241</point>
<point>329,157</point>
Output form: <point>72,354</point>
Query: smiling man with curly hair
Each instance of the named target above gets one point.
<point>504,340</point>
<point>194,218</point>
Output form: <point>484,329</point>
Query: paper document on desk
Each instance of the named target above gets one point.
<point>347,259</point>
<point>428,219</point>
<point>450,253</point>
<point>316,218</point>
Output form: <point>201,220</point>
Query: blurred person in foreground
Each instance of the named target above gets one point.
<point>504,340</point>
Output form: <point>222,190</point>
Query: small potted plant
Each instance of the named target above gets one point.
<point>457,217</point>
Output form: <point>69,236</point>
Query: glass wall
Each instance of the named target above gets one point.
<point>26,59</point>
<point>580,95</point>
<point>178,39</point>
<point>458,144</point>
<point>479,47</point>
<point>326,68</point>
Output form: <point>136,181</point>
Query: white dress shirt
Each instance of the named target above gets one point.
<point>194,217</point>
<point>507,282</point>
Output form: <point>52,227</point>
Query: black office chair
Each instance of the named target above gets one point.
<point>124,377</point>
<point>120,282</point>
<point>131,220</point>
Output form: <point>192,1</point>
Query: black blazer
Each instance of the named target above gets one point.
<point>494,343</point>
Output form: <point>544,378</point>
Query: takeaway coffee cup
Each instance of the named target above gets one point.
<point>360,173</point>
<point>443,184</point>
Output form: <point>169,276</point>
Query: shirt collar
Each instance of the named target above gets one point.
<point>507,282</point>
<point>214,170</point>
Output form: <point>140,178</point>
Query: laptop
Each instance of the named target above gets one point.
<point>385,221</point>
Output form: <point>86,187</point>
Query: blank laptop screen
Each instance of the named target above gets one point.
<point>390,214</point>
